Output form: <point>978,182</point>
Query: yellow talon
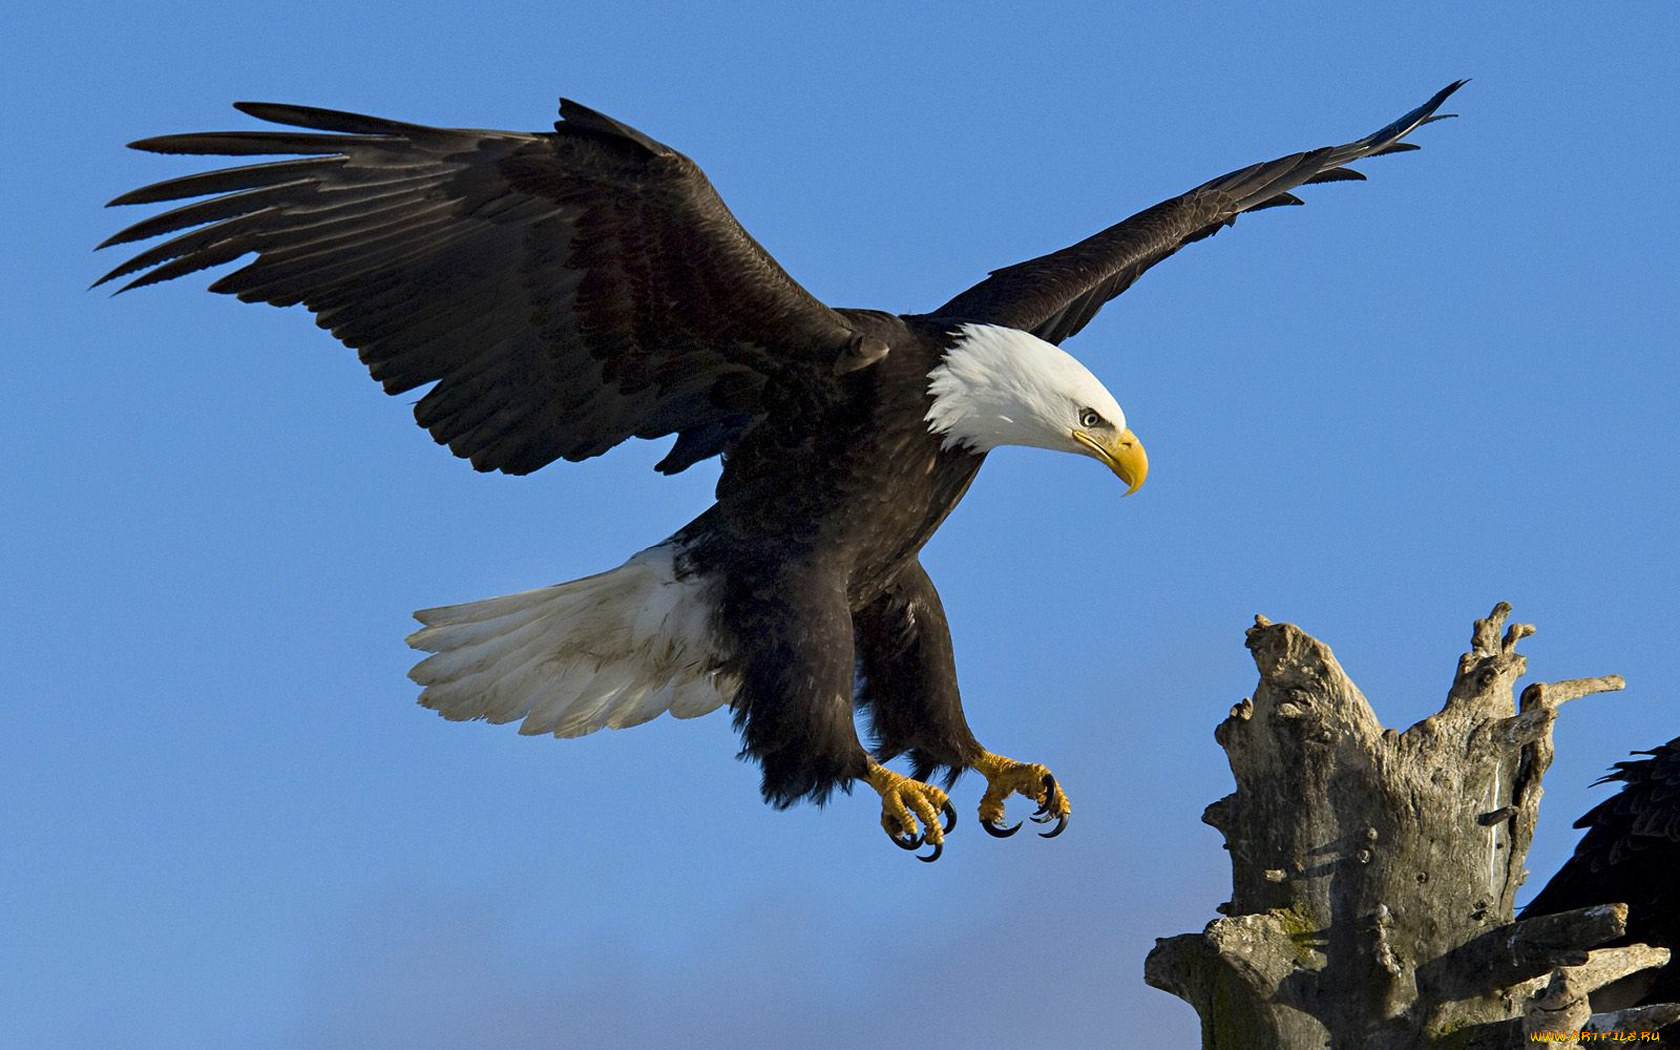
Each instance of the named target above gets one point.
<point>904,802</point>
<point>1005,777</point>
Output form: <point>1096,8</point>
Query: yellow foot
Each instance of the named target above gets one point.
<point>1005,777</point>
<point>903,802</point>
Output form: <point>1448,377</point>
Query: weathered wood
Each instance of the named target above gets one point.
<point>1374,873</point>
<point>1635,1019</point>
<point>1561,1005</point>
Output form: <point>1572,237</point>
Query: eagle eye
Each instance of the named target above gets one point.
<point>1088,417</point>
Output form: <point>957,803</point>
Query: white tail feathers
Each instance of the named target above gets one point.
<point>606,651</point>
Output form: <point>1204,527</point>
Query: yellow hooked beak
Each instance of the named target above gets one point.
<point>1122,453</point>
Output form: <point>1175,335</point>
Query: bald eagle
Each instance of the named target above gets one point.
<point>1630,854</point>
<point>563,291</point>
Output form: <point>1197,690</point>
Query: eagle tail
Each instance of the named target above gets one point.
<point>607,651</point>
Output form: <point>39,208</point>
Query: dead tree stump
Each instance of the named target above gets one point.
<point>1375,872</point>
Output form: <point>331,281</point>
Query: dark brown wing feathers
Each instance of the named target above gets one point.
<point>1639,826</point>
<point>1056,295</point>
<point>1630,854</point>
<point>563,291</point>
<point>567,291</point>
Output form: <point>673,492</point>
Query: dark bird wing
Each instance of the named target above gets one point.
<point>1630,854</point>
<point>1056,295</point>
<point>564,291</point>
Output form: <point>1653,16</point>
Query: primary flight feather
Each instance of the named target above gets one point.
<point>560,292</point>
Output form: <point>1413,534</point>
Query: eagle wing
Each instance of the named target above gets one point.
<point>1630,854</point>
<point>1631,845</point>
<point>563,291</point>
<point>1056,295</point>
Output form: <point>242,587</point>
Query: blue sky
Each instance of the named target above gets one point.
<point>226,824</point>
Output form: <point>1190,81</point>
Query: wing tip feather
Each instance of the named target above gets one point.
<point>575,116</point>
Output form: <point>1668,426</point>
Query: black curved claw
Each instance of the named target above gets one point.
<point>998,831</point>
<point>1042,814</point>
<point>950,813</point>
<point>938,848</point>
<point>912,843</point>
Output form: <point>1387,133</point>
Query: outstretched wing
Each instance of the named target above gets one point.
<point>1056,295</point>
<point>564,291</point>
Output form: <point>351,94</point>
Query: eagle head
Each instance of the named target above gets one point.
<point>1001,386</point>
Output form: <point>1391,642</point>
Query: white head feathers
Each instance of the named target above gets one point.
<point>1000,386</point>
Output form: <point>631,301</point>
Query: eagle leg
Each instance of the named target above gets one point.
<point>1005,777</point>
<point>904,802</point>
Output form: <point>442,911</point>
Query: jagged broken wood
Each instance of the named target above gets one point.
<point>1375,872</point>
<point>1562,1004</point>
